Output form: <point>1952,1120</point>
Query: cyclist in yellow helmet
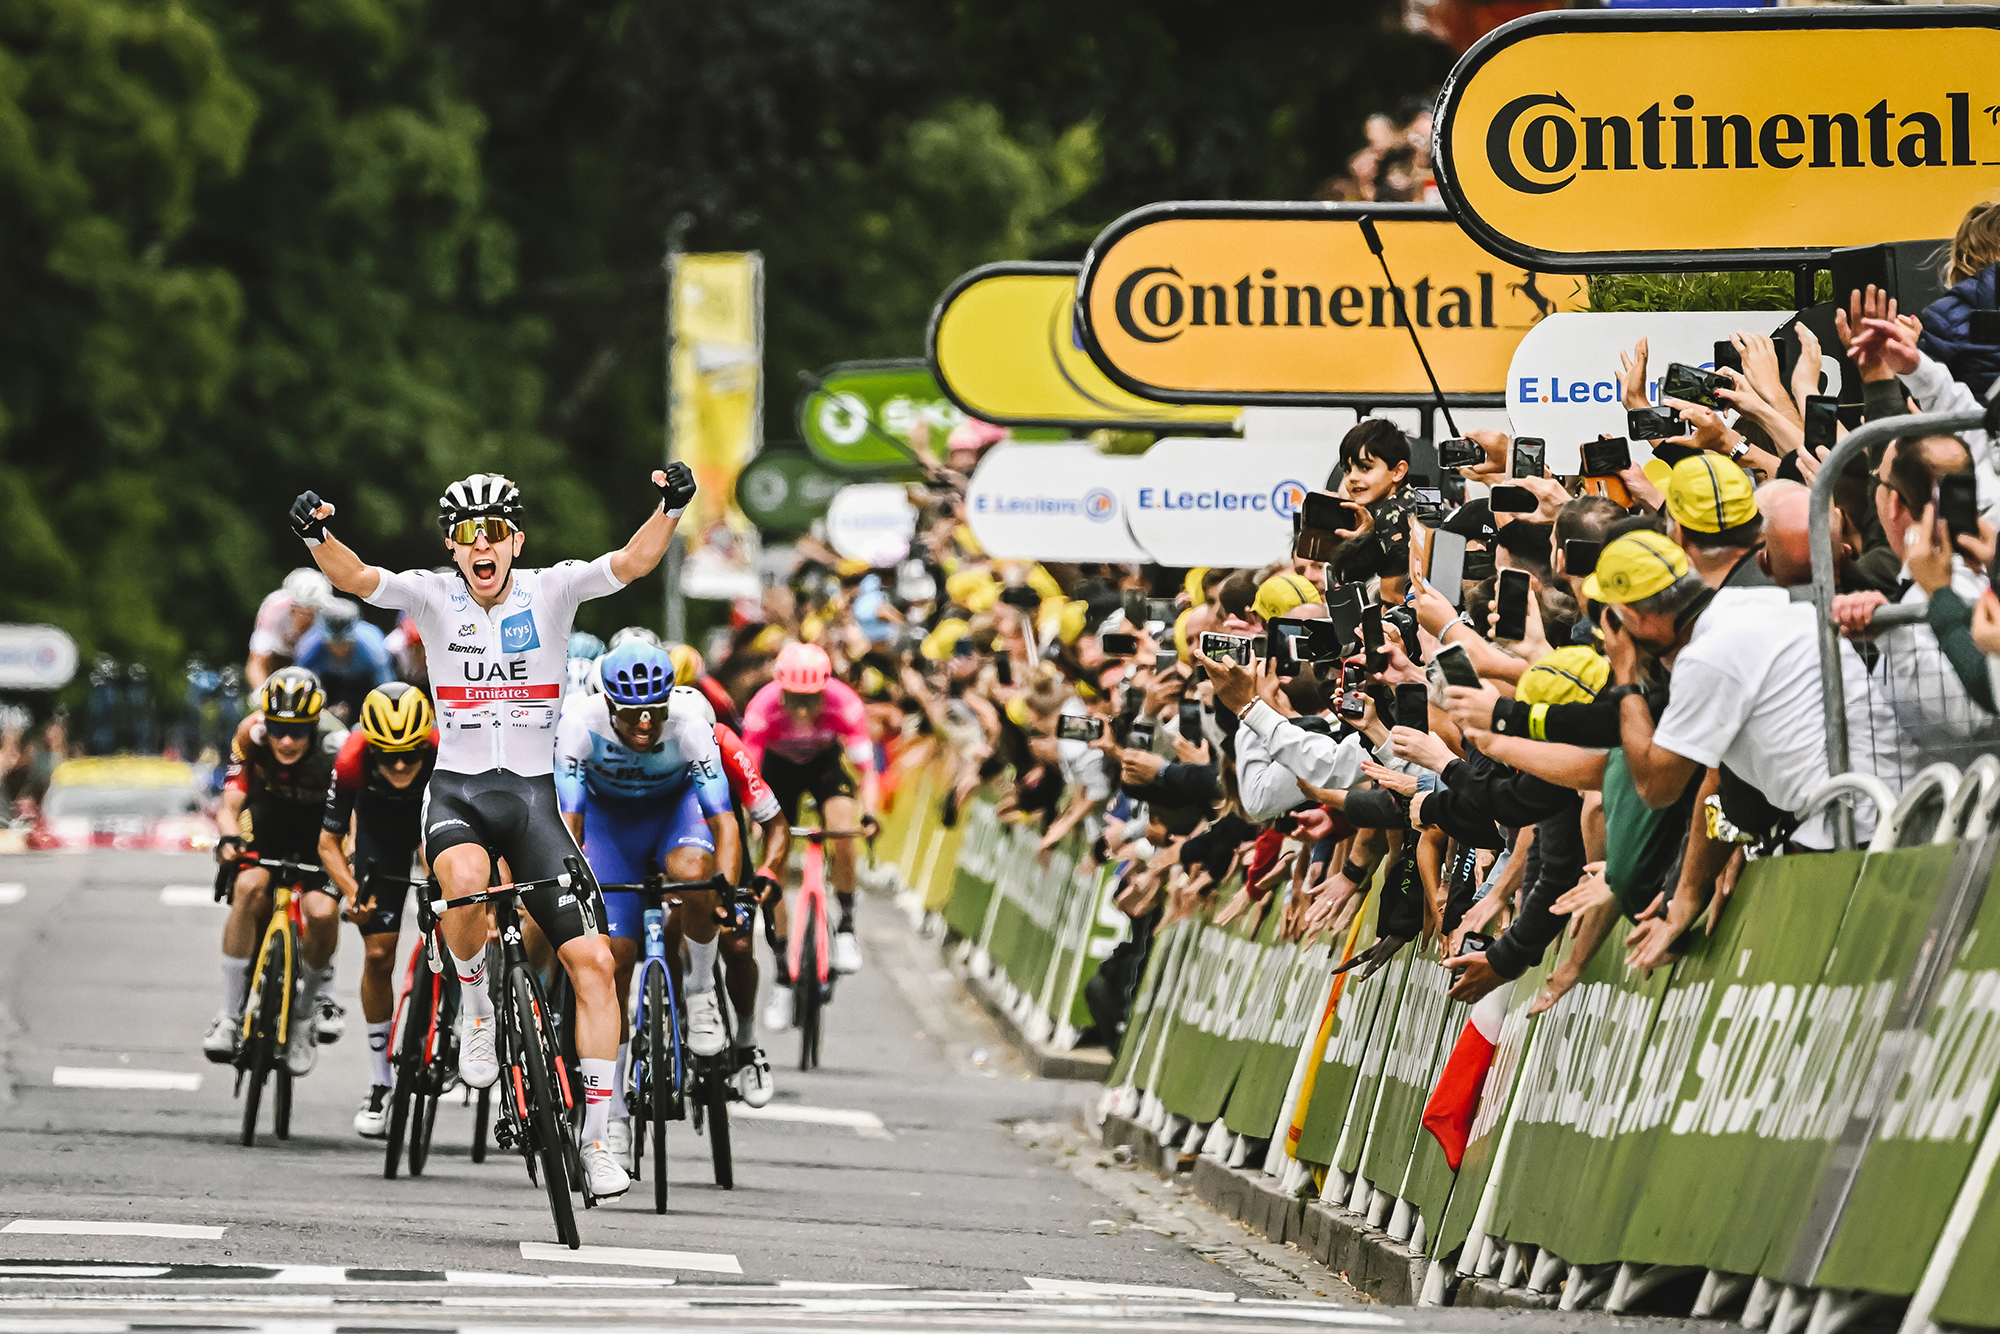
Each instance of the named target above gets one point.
<point>377,796</point>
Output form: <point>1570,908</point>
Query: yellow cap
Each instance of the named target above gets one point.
<point>1658,473</point>
<point>1634,567</point>
<point>1192,584</point>
<point>976,589</point>
<point>939,643</point>
<point>1180,634</point>
<point>1282,592</point>
<point>1043,582</point>
<point>849,567</point>
<point>1709,493</point>
<point>1567,676</point>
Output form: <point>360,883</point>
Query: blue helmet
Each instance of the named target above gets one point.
<point>585,645</point>
<point>636,673</point>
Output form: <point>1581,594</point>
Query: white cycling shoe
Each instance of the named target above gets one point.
<point>302,1046</point>
<point>369,1121</point>
<point>602,1175</point>
<point>705,1033</point>
<point>753,1081</point>
<point>618,1138</point>
<point>846,953</point>
<point>778,1009</point>
<point>331,1018</point>
<point>478,1059</point>
<point>219,1043</point>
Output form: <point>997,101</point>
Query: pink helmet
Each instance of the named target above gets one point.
<point>802,669</point>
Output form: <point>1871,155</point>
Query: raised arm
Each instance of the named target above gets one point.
<point>347,571</point>
<point>642,554</point>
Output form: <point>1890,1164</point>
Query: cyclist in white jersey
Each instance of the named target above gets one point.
<point>496,638</point>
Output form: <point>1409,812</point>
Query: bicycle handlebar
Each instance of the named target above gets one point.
<point>498,892</point>
<point>226,872</point>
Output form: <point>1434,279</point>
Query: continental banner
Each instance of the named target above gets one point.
<point>1003,349</point>
<point>1592,140</point>
<point>1285,304</point>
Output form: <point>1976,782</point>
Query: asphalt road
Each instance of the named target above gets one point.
<point>976,1202</point>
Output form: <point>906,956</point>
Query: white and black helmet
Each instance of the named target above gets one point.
<point>482,495</point>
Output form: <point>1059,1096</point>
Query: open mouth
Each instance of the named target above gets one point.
<point>485,568</point>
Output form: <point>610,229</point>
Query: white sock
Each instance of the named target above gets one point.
<point>235,986</point>
<point>600,1078</point>
<point>378,1052</point>
<point>701,967</point>
<point>619,1112</point>
<point>473,998</point>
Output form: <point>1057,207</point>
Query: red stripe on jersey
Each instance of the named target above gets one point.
<point>459,696</point>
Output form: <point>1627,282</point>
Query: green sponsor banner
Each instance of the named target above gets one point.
<point>1928,1134</point>
<point>1496,1100</point>
<point>860,416</point>
<point>783,491</point>
<point>1406,1070</point>
<point>1368,1077</point>
<point>1772,943</point>
<point>1346,1049</point>
<point>1175,946</point>
<point>978,862</point>
<point>1296,1003</point>
<point>1204,1055</point>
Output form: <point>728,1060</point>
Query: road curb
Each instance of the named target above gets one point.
<point>1046,1062</point>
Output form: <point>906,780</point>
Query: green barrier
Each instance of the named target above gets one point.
<point>1204,1057</point>
<point>965,911</point>
<point>1347,1051</point>
<point>1496,1102</point>
<point>1277,1030</point>
<point>1374,1054</point>
<point>1160,964</point>
<point>1407,1070</point>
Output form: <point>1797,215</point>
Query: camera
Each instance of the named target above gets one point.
<point>1460,453</point>
<point>1405,623</point>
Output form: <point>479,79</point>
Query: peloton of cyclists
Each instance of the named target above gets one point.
<point>280,764</point>
<point>496,638</point>
<point>807,731</point>
<point>379,780</point>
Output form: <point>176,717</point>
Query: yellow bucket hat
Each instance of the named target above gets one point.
<point>939,643</point>
<point>1709,493</point>
<point>1635,567</point>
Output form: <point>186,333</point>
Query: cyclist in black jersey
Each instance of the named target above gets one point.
<point>377,794</point>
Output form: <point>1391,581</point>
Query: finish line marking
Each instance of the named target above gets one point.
<point>98,1077</point>
<point>81,1227</point>
<point>187,896</point>
<point>12,893</point>
<point>866,1124</point>
<point>707,1262</point>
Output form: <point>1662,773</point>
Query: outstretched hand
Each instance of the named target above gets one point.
<point>309,516</point>
<point>677,488</point>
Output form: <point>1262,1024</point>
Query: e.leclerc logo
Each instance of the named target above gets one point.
<point>1282,501</point>
<point>1097,504</point>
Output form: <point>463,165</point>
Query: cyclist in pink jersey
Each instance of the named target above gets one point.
<point>808,732</point>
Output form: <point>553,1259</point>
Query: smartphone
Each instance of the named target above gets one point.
<point>1343,608</point>
<point>1822,423</point>
<point>1478,564</point>
<point>1191,721</point>
<point>1215,645</point>
<point>1460,453</point>
<point>1162,660</point>
<point>1140,737</point>
<point>1069,727</point>
<point>1283,650</point>
<point>1606,458</point>
<point>1985,327</point>
<point>1456,664</point>
<point>1371,637</point>
<point>1474,943</point>
<point>1580,556</point>
<point>1529,454</point>
<point>1116,645</point>
<point>1328,513</point>
<point>1512,596</point>
<point>1351,704</point>
<point>1513,500</point>
<point>1447,574</point>
<point>1958,505</point>
<point>1692,385</point>
<point>1653,423</point>
<point>1413,707</point>
<point>1404,622</point>
<point>1727,355</point>
<point>1003,668</point>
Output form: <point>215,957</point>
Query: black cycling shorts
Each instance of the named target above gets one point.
<point>826,775</point>
<point>516,818</point>
<point>389,857</point>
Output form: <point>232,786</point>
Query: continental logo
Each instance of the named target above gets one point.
<point>1155,304</point>
<point>1540,143</point>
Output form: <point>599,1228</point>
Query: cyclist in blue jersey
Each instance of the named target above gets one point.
<point>642,790</point>
<point>350,656</point>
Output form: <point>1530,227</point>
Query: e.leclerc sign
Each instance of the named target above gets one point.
<point>1628,139</point>
<point>1053,502</point>
<point>1284,304</point>
<point>1194,503</point>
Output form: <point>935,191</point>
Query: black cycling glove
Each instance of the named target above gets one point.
<point>304,522</point>
<point>678,489</point>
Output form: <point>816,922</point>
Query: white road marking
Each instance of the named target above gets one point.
<point>1075,1287</point>
<point>85,1271</point>
<point>97,1227</point>
<point>708,1262</point>
<point>475,1279</point>
<point>864,1122</point>
<point>98,1077</point>
<point>188,896</point>
<point>12,893</point>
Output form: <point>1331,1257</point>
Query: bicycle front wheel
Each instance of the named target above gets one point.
<point>659,1077</point>
<point>480,1116</point>
<point>807,998</point>
<point>423,1118</point>
<point>536,1053</point>
<point>417,1003</point>
<point>717,1092</point>
<point>260,1049</point>
<point>281,1104</point>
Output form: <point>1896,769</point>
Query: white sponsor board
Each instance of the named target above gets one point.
<point>1222,502</point>
<point>35,657</point>
<point>1564,386</point>
<point>1054,502</point>
<point>871,521</point>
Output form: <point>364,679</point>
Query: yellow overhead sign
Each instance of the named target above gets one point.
<point>1284,304</point>
<point>1002,345</point>
<point>1627,139</point>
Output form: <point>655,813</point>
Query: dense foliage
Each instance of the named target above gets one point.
<point>368,245</point>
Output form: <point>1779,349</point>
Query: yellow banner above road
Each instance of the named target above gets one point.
<point>1284,304</point>
<point>1626,139</point>
<point>1002,345</point>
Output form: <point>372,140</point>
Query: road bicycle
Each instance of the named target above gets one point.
<point>807,952</point>
<point>425,1058</point>
<point>275,1002</point>
<point>538,1098</point>
<point>665,1080</point>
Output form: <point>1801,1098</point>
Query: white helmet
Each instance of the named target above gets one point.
<point>686,700</point>
<point>308,588</point>
<point>581,674</point>
<point>482,495</point>
<point>633,632</point>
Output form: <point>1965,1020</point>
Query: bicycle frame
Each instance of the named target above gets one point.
<point>286,926</point>
<point>811,911</point>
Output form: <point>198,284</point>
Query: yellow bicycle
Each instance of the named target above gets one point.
<point>275,1000</point>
